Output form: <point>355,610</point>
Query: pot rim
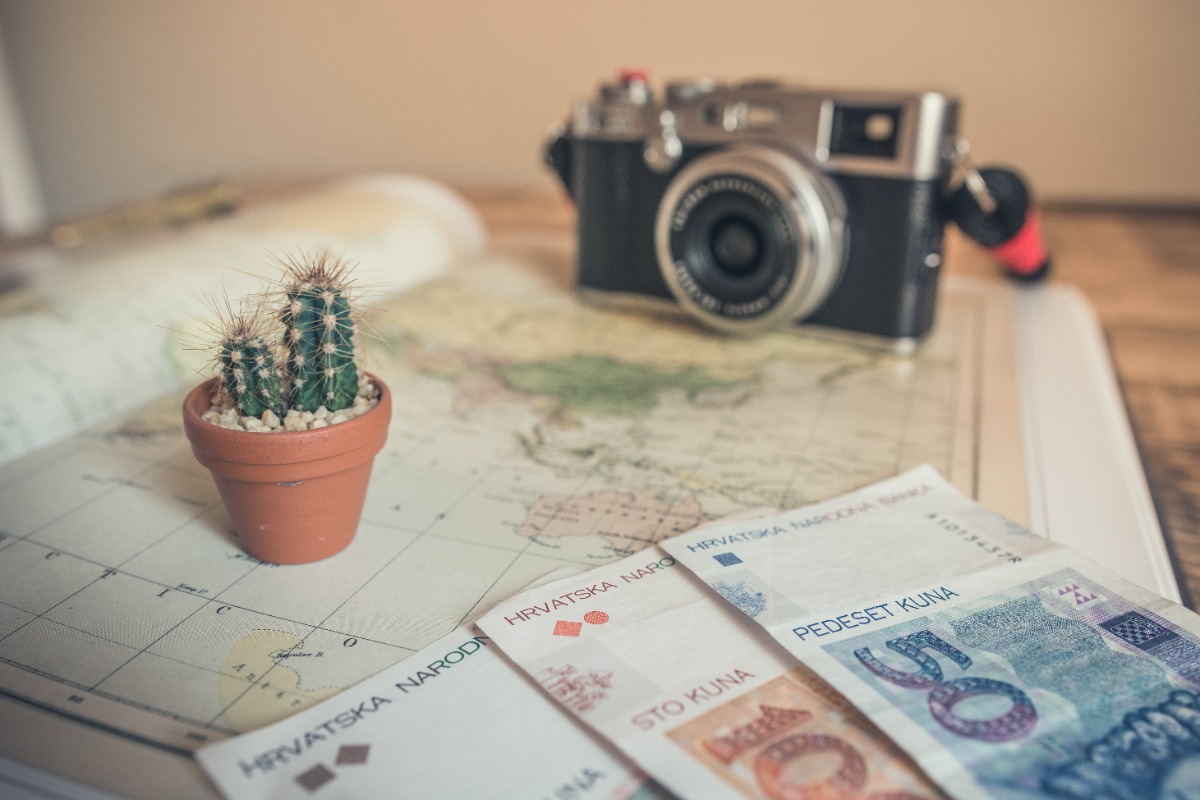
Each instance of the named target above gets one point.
<point>207,387</point>
<point>212,443</point>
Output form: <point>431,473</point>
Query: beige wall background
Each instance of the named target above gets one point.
<point>1095,100</point>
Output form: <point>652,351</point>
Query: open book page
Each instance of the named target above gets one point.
<point>104,329</point>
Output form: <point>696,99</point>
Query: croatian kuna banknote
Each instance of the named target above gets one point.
<point>1006,666</point>
<point>453,720</point>
<point>706,704</point>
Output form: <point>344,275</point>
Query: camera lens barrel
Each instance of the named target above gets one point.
<point>750,237</point>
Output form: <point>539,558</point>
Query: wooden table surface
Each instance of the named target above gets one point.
<point>1141,271</point>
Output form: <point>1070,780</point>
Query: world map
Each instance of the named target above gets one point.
<point>531,432</point>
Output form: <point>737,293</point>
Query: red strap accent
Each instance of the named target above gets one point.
<point>1025,252</point>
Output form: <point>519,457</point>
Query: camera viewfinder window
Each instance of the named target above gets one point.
<point>865,131</point>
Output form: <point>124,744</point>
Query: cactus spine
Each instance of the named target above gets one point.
<point>319,334</point>
<point>247,367</point>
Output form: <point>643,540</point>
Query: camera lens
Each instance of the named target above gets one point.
<point>749,237</point>
<point>736,246</point>
<point>737,242</point>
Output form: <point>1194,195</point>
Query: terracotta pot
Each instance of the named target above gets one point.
<point>293,496</point>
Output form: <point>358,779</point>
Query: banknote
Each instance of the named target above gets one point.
<point>706,704</point>
<point>454,720</point>
<point>1008,667</point>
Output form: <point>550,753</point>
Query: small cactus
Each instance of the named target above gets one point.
<point>295,349</point>
<point>319,334</point>
<point>247,367</point>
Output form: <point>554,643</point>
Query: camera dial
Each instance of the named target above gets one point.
<point>750,237</point>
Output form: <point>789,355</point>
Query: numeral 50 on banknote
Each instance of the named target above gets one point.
<point>945,695</point>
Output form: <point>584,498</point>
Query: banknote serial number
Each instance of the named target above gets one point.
<point>969,536</point>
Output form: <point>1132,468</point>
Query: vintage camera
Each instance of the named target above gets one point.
<point>757,204</point>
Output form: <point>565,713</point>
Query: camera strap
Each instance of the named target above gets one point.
<point>994,207</point>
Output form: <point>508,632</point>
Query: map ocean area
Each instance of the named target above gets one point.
<point>530,432</point>
<point>1007,666</point>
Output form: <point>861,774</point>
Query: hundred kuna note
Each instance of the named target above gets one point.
<point>645,655</point>
<point>1008,667</point>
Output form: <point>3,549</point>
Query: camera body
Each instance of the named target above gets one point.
<point>757,204</point>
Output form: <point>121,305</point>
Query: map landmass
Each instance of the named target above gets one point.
<point>628,521</point>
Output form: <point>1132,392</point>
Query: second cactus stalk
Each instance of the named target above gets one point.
<point>318,335</point>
